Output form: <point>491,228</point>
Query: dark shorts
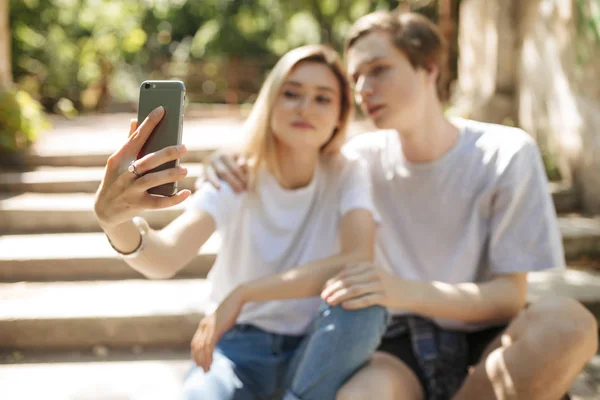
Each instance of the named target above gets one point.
<point>401,348</point>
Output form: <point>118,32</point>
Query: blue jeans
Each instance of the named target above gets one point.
<point>251,364</point>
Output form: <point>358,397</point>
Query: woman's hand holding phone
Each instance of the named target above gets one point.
<point>122,194</point>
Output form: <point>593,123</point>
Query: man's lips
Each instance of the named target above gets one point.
<point>374,109</point>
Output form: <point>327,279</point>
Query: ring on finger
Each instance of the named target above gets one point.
<point>133,169</point>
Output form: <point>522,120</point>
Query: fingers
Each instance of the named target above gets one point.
<point>160,178</point>
<point>196,347</point>
<point>353,282</point>
<point>115,161</point>
<point>346,282</point>
<point>204,342</point>
<point>359,273</point>
<point>225,173</point>
<point>203,347</point>
<point>364,301</point>
<point>133,125</point>
<point>348,292</point>
<point>140,135</point>
<point>208,349</point>
<point>158,158</point>
<point>211,176</point>
<point>242,164</point>
<point>160,202</point>
<point>237,168</point>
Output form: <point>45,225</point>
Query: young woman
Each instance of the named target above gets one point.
<point>307,214</point>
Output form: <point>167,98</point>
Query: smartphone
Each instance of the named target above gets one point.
<point>170,95</point>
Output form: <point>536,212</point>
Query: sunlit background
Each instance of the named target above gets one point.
<point>70,72</point>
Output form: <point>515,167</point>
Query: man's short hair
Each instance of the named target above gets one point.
<point>413,34</point>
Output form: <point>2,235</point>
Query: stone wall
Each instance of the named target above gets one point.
<point>487,44</point>
<point>559,96</point>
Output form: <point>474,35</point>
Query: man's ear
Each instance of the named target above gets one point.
<point>433,72</point>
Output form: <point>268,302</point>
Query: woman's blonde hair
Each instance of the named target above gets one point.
<point>260,146</point>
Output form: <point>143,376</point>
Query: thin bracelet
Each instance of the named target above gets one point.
<point>142,226</point>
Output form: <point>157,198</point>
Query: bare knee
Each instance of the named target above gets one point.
<point>347,393</point>
<point>567,323</point>
<point>376,387</point>
<point>553,340</point>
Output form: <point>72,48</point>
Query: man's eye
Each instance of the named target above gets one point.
<point>378,70</point>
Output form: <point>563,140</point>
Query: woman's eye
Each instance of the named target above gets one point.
<point>323,99</point>
<point>290,95</point>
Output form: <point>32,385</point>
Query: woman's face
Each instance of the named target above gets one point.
<point>308,107</point>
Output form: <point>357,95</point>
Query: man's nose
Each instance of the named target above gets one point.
<point>364,87</point>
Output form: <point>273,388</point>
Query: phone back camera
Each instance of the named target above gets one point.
<point>147,86</point>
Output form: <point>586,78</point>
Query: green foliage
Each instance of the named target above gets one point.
<point>550,165</point>
<point>588,29</point>
<point>62,47</point>
<point>87,50</point>
<point>21,120</point>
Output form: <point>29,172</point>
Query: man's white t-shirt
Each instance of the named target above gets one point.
<point>274,229</point>
<point>481,209</point>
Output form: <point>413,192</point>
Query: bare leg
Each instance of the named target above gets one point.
<point>538,356</point>
<point>384,378</point>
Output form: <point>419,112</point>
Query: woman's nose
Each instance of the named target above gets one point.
<point>303,104</point>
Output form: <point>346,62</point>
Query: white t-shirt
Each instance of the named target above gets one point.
<point>274,229</point>
<point>481,209</point>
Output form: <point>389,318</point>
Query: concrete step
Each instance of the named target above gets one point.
<point>88,256</point>
<point>86,314</point>
<point>79,257</point>
<point>33,213</point>
<point>579,284</point>
<point>564,197</point>
<point>87,180</point>
<point>154,376</point>
<point>70,179</point>
<point>89,140</point>
<point>62,212</point>
<point>581,235</point>
<point>72,315</point>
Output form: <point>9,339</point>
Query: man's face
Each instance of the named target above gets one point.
<point>387,87</point>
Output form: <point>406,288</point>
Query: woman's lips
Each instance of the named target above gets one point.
<point>302,125</point>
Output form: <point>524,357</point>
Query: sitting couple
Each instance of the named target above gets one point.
<point>390,266</point>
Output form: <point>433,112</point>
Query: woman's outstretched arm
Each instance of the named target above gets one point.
<point>122,196</point>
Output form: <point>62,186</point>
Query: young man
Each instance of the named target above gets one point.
<point>465,214</point>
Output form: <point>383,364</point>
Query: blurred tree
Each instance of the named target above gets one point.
<point>21,117</point>
<point>5,54</point>
<point>79,53</point>
<point>64,48</point>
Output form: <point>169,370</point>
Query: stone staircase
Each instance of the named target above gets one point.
<point>77,323</point>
